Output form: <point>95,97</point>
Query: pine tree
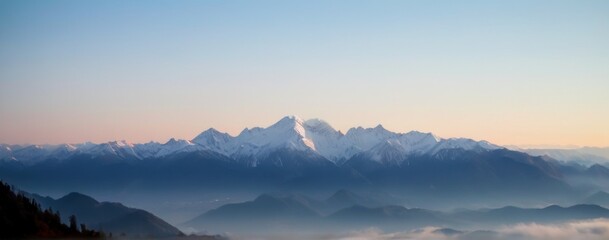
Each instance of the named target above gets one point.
<point>73,224</point>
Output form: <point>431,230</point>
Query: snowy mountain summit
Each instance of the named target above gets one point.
<point>317,136</point>
<point>291,133</point>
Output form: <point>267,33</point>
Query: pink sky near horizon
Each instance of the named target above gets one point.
<point>187,129</point>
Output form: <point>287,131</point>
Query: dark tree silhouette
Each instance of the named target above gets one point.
<point>21,217</point>
<point>73,223</point>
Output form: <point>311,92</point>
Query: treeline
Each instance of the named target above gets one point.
<point>21,217</point>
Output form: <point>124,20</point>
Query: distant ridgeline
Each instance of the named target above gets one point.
<point>21,217</point>
<point>310,155</point>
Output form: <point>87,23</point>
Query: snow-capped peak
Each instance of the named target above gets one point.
<point>291,124</point>
<point>320,126</point>
<point>463,143</point>
<point>148,150</point>
<point>212,132</point>
<point>122,144</point>
<point>313,136</point>
<point>177,145</point>
<point>214,140</point>
<point>288,132</point>
<point>318,136</point>
<point>122,149</point>
<point>290,120</point>
<point>361,139</point>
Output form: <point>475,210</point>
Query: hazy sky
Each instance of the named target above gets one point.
<point>511,72</point>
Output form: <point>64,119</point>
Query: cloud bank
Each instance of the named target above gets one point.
<point>596,229</point>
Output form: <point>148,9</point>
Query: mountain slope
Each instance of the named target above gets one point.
<point>267,210</point>
<point>21,217</point>
<point>140,223</point>
<point>387,217</point>
<point>550,214</point>
<point>586,156</point>
<point>111,217</point>
<point>397,217</point>
<point>344,198</point>
<point>600,198</point>
<point>285,212</point>
<point>458,173</point>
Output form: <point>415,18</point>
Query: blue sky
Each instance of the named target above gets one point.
<point>512,72</point>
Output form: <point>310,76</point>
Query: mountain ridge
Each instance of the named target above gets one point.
<point>112,217</point>
<point>289,210</point>
<point>291,132</point>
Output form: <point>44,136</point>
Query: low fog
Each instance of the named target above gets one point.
<point>595,229</point>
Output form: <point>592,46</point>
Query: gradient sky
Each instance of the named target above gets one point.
<point>511,72</point>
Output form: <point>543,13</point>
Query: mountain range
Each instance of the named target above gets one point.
<point>309,156</point>
<point>586,156</point>
<point>110,217</point>
<point>286,211</point>
<point>313,136</point>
